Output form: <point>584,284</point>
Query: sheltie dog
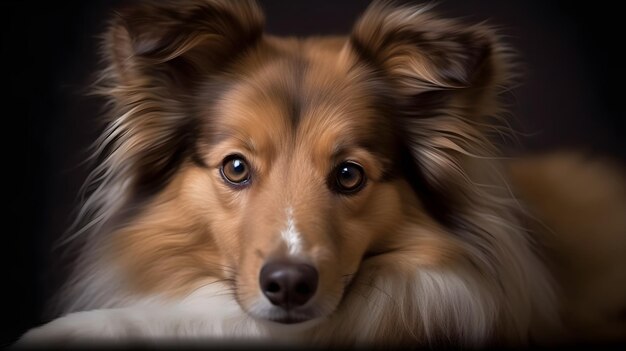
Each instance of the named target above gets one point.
<point>330,191</point>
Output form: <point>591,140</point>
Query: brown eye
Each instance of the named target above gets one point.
<point>235,170</point>
<point>349,177</point>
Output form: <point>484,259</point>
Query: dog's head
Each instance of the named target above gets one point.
<point>280,164</point>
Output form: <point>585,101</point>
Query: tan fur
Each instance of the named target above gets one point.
<point>580,204</point>
<point>431,251</point>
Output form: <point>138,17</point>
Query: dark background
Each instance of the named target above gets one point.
<point>569,97</point>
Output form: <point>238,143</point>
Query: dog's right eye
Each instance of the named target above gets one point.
<point>235,170</point>
<point>348,178</point>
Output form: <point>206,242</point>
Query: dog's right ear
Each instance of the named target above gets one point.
<point>178,40</point>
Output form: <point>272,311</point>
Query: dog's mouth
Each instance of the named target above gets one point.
<point>290,317</point>
<point>289,320</point>
<point>279,316</point>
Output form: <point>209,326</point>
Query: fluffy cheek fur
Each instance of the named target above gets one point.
<point>169,248</point>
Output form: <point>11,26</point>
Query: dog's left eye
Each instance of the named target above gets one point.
<point>348,177</point>
<point>235,170</point>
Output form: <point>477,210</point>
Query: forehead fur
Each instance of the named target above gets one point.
<point>310,91</point>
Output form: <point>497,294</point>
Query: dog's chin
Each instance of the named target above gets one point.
<point>289,319</point>
<point>277,318</point>
<point>290,324</point>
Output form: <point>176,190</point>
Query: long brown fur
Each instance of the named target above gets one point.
<point>434,250</point>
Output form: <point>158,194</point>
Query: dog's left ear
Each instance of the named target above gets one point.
<point>423,54</point>
<point>445,77</point>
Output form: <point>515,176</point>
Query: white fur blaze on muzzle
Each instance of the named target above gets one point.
<point>291,237</point>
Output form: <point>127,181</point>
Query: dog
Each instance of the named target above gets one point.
<point>330,191</point>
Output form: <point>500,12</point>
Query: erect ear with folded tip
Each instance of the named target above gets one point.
<point>179,39</point>
<point>422,53</point>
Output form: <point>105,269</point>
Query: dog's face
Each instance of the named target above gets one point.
<point>286,162</point>
<point>299,172</point>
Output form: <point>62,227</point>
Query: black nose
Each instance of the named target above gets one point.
<point>288,284</point>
